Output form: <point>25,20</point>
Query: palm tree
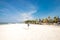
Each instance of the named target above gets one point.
<point>49,17</point>
<point>56,19</point>
<point>45,20</point>
<point>50,21</point>
<point>40,21</point>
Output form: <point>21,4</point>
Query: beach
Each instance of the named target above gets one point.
<point>34,32</point>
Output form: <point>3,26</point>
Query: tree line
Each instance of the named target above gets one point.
<point>47,20</point>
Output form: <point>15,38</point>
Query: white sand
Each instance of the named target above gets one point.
<point>35,32</point>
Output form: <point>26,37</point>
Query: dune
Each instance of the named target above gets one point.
<point>34,32</point>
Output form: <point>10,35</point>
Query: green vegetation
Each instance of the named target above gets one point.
<point>47,20</point>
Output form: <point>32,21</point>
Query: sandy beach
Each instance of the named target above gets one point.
<point>34,32</point>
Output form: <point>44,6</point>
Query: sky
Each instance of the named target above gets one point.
<point>21,10</point>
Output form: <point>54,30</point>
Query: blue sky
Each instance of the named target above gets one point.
<point>21,10</point>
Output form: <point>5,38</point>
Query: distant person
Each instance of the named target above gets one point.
<point>28,25</point>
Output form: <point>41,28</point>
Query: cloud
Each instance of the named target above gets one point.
<point>11,14</point>
<point>24,16</point>
<point>27,16</point>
